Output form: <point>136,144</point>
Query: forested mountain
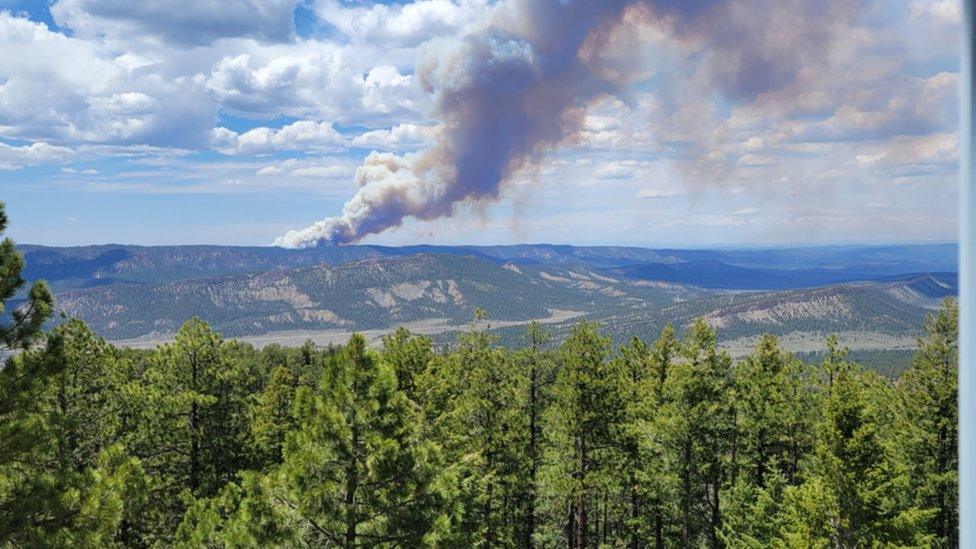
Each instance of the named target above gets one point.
<point>437,293</point>
<point>84,266</point>
<point>665,441</point>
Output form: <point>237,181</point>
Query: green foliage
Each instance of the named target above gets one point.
<point>213,443</point>
<point>357,472</point>
<point>700,433</point>
<point>581,454</point>
<point>928,392</point>
<point>192,411</point>
<point>272,416</point>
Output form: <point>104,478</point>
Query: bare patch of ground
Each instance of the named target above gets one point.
<point>294,338</point>
<point>801,342</point>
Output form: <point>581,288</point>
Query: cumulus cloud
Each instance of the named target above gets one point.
<point>183,22</point>
<point>312,78</point>
<point>403,25</point>
<point>14,157</point>
<point>67,89</point>
<point>80,86</point>
<point>399,137</point>
<point>304,135</point>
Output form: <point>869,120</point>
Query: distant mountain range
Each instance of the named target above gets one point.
<point>134,292</point>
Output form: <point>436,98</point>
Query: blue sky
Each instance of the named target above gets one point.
<point>775,122</point>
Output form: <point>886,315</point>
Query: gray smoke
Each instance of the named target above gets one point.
<point>516,87</point>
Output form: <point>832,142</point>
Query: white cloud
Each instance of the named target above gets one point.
<point>270,170</point>
<point>15,157</point>
<point>326,172</point>
<point>184,22</point>
<point>72,90</point>
<point>304,135</point>
<point>399,137</point>
<point>86,171</point>
<point>311,79</point>
<point>755,160</point>
<point>624,169</point>
<point>405,25</point>
<point>653,194</point>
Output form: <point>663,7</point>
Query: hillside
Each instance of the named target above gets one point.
<point>358,295</point>
<point>438,293</point>
<point>766,269</point>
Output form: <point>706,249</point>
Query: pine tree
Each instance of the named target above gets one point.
<point>272,416</point>
<point>537,371</point>
<point>773,414</point>
<point>77,485</point>
<point>192,414</point>
<point>635,371</point>
<point>928,391</point>
<point>357,473</point>
<point>22,381</point>
<point>580,454</point>
<point>858,484</point>
<point>774,422</point>
<point>700,434</point>
<point>488,409</point>
<point>656,479</point>
<point>409,355</point>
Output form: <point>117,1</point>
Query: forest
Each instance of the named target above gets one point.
<point>206,442</point>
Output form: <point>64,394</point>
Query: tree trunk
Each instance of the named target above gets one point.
<point>490,527</point>
<point>716,522</point>
<point>352,485</point>
<point>658,527</point>
<point>194,430</point>
<point>686,497</point>
<point>581,504</point>
<point>634,513</point>
<point>533,458</point>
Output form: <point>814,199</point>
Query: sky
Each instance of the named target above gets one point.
<point>648,122</point>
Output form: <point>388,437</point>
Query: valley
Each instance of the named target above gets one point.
<point>873,297</point>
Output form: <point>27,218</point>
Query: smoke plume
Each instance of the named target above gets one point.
<point>517,86</point>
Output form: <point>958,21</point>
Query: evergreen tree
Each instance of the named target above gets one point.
<point>580,453</point>
<point>537,372</point>
<point>635,370</point>
<point>929,390</point>
<point>858,484</point>
<point>409,355</point>
<point>77,485</point>
<point>775,426</point>
<point>488,408</point>
<point>193,432</point>
<point>244,514</point>
<point>773,414</point>
<point>357,472</point>
<point>37,505</point>
<point>272,416</point>
<point>700,433</point>
<point>21,381</point>
<point>655,474</point>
